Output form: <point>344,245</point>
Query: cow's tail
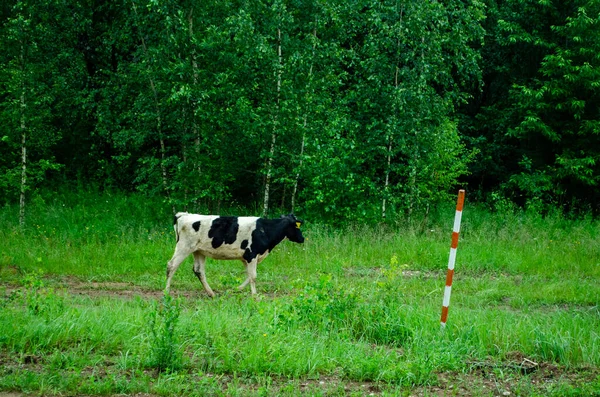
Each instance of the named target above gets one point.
<point>176,223</point>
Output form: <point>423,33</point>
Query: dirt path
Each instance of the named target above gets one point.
<point>100,289</point>
<point>96,289</point>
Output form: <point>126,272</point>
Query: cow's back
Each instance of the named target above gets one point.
<point>216,236</point>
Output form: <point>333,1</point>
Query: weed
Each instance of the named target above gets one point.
<point>34,294</point>
<point>165,354</point>
<point>320,304</point>
<point>32,287</point>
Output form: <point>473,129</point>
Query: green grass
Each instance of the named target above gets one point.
<point>353,309</point>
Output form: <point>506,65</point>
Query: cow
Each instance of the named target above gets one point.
<point>249,239</point>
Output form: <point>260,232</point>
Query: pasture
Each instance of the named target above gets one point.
<point>355,310</point>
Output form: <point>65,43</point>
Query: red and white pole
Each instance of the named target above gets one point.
<point>452,259</point>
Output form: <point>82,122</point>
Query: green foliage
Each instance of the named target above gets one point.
<point>536,125</point>
<point>561,109</point>
<point>377,111</point>
<point>29,89</point>
<point>182,101</point>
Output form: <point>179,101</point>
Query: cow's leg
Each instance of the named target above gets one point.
<point>178,257</point>
<point>243,285</point>
<point>252,275</point>
<point>200,271</point>
<point>251,271</point>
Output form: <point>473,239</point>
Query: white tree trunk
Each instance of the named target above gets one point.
<point>413,199</point>
<point>23,141</point>
<point>163,167</point>
<point>299,165</point>
<point>391,135</point>
<point>23,160</point>
<point>275,126</point>
<point>387,177</point>
<point>195,129</point>
<point>310,71</point>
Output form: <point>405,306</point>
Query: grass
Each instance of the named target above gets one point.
<point>353,311</point>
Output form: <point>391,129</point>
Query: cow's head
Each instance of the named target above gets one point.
<point>292,230</point>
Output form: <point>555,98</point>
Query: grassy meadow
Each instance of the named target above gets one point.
<point>353,311</point>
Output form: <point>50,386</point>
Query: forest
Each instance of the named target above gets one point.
<point>355,110</point>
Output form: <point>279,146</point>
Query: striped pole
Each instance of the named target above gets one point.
<point>452,259</point>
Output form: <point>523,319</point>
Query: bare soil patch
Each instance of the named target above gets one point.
<point>101,289</point>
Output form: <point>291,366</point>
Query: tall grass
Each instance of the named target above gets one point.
<point>356,303</point>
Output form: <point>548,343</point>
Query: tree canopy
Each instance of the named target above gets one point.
<point>345,110</point>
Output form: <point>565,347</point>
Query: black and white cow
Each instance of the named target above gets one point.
<point>249,239</point>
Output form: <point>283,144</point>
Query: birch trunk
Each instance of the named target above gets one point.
<point>275,125</point>
<point>269,167</point>
<point>413,190</point>
<point>391,133</point>
<point>386,186</point>
<point>387,177</point>
<point>23,140</point>
<point>295,190</point>
<point>163,167</point>
<point>23,160</point>
<point>310,71</point>
<point>195,129</point>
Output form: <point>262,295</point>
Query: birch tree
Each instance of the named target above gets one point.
<point>276,119</point>
<point>155,99</point>
<point>25,112</point>
<point>307,110</point>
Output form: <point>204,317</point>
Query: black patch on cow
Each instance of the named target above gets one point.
<point>244,244</point>
<point>249,255</point>
<point>175,219</point>
<point>196,225</point>
<point>269,233</point>
<point>223,230</point>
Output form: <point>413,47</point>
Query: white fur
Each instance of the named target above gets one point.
<point>200,245</point>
